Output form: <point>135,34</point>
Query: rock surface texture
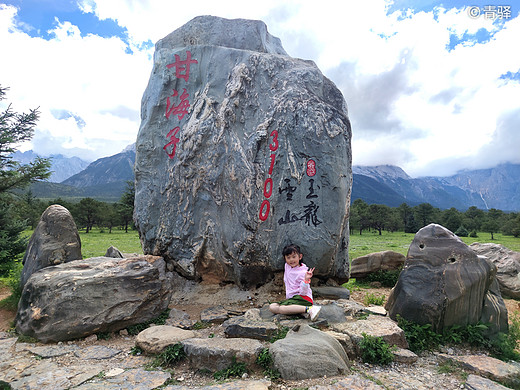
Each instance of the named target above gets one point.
<point>241,150</point>
<point>445,283</point>
<point>54,241</point>
<point>508,266</point>
<point>101,294</point>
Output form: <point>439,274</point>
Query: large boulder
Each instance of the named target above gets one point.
<point>54,241</point>
<point>241,150</point>
<point>508,266</point>
<point>308,353</point>
<point>444,283</point>
<point>100,294</point>
<point>373,262</point>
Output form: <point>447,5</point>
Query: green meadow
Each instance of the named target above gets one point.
<point>96,242</point>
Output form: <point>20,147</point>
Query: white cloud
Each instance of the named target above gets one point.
<point>413,102</point>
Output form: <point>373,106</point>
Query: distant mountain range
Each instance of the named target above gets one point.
<point>499,187</point>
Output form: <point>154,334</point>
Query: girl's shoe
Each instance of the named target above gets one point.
<point>314,312</point>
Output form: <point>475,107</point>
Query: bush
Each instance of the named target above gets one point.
<point>473,234</point>
<point>13,283</point>
<point>375,350</point>
<point>420,337</point>
<point>372,299</point>
<point>265,360</point>
<point>462,231</point>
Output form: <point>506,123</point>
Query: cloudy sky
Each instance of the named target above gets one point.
<point>432,87</point>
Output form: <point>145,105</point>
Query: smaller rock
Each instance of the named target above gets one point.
<point>352,382</point>
<point>329,292</point>
<point>96,352</point>
<point>333,313</point>
<point>404,356</point>
<point>91,339</point>
<point>378,310</point>
<point>114,372</point>
<point>46,352</point>
<point>373,262</point>
<point>475,382</point>
<point>114,252</point>
<point>179,319</point>
<point>123,332</point>
<point>346,343</point>
<point>156,339</point>
<point>250,325</point>
<point>214,315</point>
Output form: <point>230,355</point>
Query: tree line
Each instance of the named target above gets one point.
<point>412,218</point>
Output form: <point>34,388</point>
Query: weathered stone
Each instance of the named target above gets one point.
<point>378,310</point>
<point>155,339</point>
<point>508,266</point>
<point>352,382</point>
<point>235,385</point>
<point>217,353</point>
<point>351,307</point>
<point>376,326</point>
<point>54,241</point>
<point>346,343</point>
<point>308,353</point>
<point>444,283</point>
<point>330,292</point>
<point>251,325</point>
<point>260,156</point>
<point>332,313</point>
<point>373,262</point>
<point>214,315</point>
<point>134,379</point>
<point>475,382</point>
<point>179,319</point>
<point>489,367</point>
<point>102,294</point>
<point>406,356</point>
<point>114,252</point>
<point>96,352</point>
<point>52,351</point>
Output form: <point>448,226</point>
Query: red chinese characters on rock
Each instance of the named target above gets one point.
<point>311,168</point>
<point>265,207</point>
<point>182,71</point>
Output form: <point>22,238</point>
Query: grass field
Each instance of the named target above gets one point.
<point>95,243</point>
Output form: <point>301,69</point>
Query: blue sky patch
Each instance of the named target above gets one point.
<point>37,17</point>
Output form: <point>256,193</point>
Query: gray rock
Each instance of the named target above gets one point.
<point>373,262</point>
<point>508,266</point>
<point>214,315</point>
<point>134,379</point>
<point>114,252</point>
<point>475,382</point>
<point>373,325</point>
<point>352,382</point>
<point>251,325</point>
<point>330,292</point>
<point>54,241</point>
<point>332,313</point>
<point>217,353</point>
<point>489,367</point>
<point>155,339</point>
<point>102,294</point>
<point>235,385</point>
<point>46,352</point>
<point>346,342</point>
<point>402,355</point>
<point>179,319</point>
<point>444,283</point>
<point>260,157</point>
<point>308,353</point>
<point>97,352</point>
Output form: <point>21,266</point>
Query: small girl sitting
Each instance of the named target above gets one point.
<point>297,279</point>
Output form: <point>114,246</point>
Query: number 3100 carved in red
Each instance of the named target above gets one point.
<point>268,184</point>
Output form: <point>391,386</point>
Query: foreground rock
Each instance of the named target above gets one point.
<point>308,353</point>
<point>157,338</point>
<point>508,266</point>
<point>379,261</point>
<point>444,283</point>
<point>241,150</point>
<point>54,241</point>
<point>101,294</point>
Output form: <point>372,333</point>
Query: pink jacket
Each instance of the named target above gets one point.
<point>294,281</point>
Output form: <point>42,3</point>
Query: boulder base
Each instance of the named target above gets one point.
<point>101,294</point>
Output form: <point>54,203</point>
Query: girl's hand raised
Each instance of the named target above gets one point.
<point>309,273</point>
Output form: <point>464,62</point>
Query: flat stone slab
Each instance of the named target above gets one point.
<point>135,379</point>
<point>218,353</point>
<point>254,328</point>
<point>53,350</point>
<point>475,382</point>
<point>236,385</point>
<point>489,367</point>
<point>97,352</point>
<point>156,339</point>
<point>354,382</point>
<point>328,292</point>
<point>179,318</point>
<point>376,326</point>
<point>214,315</point>
<point>404,356</point>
